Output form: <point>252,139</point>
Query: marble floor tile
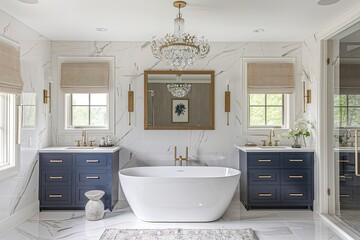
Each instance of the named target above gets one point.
<point>268,224</point>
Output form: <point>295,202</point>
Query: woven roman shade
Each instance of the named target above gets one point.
<point>85,77</point>
<point>350,79</point>
<point>10,75</point>
<point>270,78</point>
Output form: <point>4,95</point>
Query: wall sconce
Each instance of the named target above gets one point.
<point>130,103</point>
<point>227,102</point>
<point>47,96</point>
<point>307,95</point>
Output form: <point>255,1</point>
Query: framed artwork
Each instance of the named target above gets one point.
<point>180,110</point>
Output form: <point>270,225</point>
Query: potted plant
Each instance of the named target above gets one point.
<point>302,129</point>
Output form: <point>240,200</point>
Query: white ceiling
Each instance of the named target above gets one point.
<point>139,20</point>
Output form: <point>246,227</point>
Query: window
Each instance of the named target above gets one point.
<point>8,164</point>
<point>29,110</point>
<point>347,110</point>
<point>90,110</point>
<point>266,110</point>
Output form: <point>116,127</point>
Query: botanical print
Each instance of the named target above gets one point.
<point>180,110</point>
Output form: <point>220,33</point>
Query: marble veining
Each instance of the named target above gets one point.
<point>268,224</point>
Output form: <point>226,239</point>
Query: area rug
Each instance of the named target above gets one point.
<point>178,234</point>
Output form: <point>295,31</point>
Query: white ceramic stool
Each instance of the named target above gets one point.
<point>94,208</point>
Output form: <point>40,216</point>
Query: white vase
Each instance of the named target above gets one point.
<point>94,208</point>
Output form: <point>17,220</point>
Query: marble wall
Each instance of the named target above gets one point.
<point>132,58</point>
<point>22,189</point>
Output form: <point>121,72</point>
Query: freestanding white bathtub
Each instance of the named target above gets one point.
<point>179,194</point>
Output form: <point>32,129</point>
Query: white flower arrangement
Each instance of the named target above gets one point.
<point>302,129</point>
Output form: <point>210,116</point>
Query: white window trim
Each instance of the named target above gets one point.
<point>289,100</point>
<point>62,130</point>
<point>14,167</point>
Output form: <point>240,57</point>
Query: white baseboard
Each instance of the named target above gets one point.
<point>19,217</point>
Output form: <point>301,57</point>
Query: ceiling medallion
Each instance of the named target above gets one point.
<point>179,89</point>
<point>179,49</point>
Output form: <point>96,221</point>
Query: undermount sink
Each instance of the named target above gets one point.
<point>80,147</point>
<point>274,147</point>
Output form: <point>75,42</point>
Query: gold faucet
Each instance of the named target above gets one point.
<point>272,134</point>
<point>180,158</point>
<point>83,137</point>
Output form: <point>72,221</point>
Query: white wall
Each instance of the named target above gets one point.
<point>21,190</point>
<point>132,58</point>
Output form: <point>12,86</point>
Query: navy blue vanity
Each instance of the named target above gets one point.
<point>66,175</point>
<point>276,178</point>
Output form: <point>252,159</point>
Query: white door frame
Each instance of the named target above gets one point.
<point>324,138</point>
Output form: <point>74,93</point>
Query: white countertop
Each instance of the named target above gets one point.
<point>274,149</point>
<point>71,149</point>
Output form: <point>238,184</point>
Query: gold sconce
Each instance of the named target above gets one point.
<point>227,103</point>
<point>307,95</point>
<point>47,96</point>
<point>130,103</point>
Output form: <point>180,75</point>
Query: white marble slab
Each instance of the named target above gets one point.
<point>274,149</point>
<point>71,149</point>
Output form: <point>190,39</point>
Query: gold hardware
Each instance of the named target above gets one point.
<point>344,195</point>
<point>344,177</point>
<point>264,194</point>
<point>92,161</point>
<point>83,136</point>
<point>356,153</point>
<point>263,142</point>
<point>55,195</point>
<point>296,176</point>
<point>47,96</point>
<point>265,176</point>
<point>344,161</point>
<point>130,103</point>
<point>180,158</point>
<point>56,161</point>
<point>56,177</point>
<point>307,96</point>
<point>92,143</point>
<point>264,160</point>
<point>296,160</point>
<point>227,103</point>
<point>272,134</point>
<point>77,143</point>
<point>95,177</point>
<point>277,142</point>
<point>179,4</point>
<point>296,195</point>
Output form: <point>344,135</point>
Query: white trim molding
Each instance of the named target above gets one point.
<point>19,217</point>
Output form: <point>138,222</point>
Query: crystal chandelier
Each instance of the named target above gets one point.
<point>179,89</point>
<point>180,50</point>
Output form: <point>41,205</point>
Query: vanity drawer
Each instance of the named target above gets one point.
<point>81,199</point>
<point>90,160</point>
<point>93,177</point>
<point>296,176</point>
<point>348,179</point>
<point>264,195</point>
<point>56,195</point>
<point>55,160</point>
<point>58,177</point>
<point>259,176</point>
<point>297,160</point>
<point>296,194</point>
<point>263,160</point>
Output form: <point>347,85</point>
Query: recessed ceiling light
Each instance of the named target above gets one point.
<point>327,2</point>
<point>100,29</point>
<point>30,1</point>
<point>260,30</point>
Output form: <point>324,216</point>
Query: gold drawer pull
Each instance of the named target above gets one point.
<point>56,177</point>
<point>55,195</point>
<point>296,160</point>
<point>296,176</point>
<point>95,177</point>
<point>264,194</point>
<point>56,161</point>
<point>264,160</point>
<point>296,195</point>
<point>344,195</point>
<point>345,177</point>
<point>92,161</point>
<point>344,161</point>
<point>265,176</point>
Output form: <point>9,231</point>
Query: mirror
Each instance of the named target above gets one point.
<point>181,100</point>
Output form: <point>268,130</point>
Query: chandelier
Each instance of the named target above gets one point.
<point>179,89</point>
<point>180,50</point>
